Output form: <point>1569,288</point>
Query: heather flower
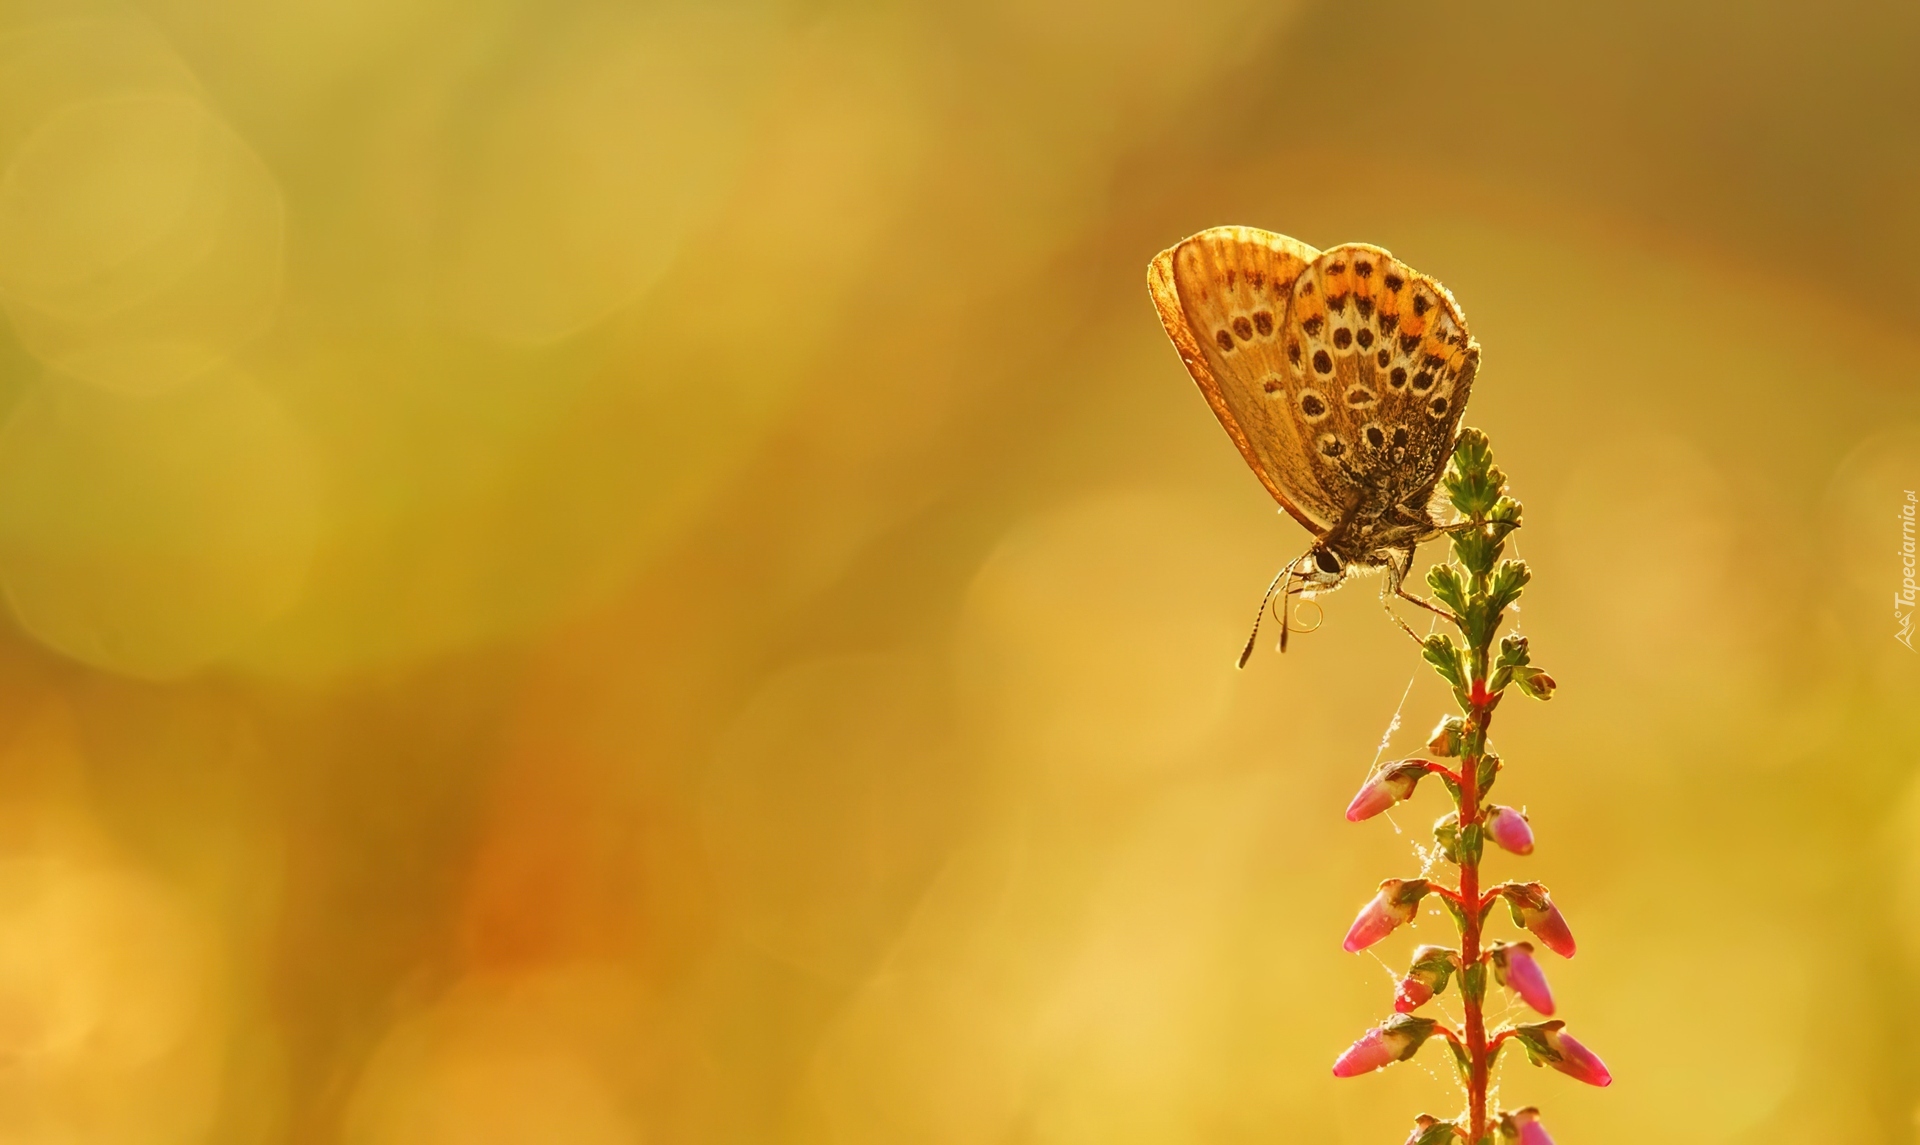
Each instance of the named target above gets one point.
<point>1533,910</point>
<point>1473,591</point>
<point>1397,903</point>
<point>1510,830</point>
<point>1523,1126</point>
<point>1515,968</point>
<point>1389,784</point>
<point>1396,1039</point>
<point>1549,1044</point>
<point>1432,966</point>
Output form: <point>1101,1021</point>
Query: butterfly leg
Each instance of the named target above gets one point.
<point>1423,602</point>
<point>1397,563</point>
<point>1404,626</point>
<point>1469,526</point>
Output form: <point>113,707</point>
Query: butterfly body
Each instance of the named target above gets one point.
<point>1340,375</point>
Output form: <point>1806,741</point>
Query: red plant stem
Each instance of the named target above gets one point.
<point>1478,717</point>
<point>1436,768</point>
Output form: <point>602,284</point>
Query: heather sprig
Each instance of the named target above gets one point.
<point>1476,588</point>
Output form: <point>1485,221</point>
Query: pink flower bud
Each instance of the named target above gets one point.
<point>1411,994</point>
<point>1397,902</point>
<point>1389,784</point>
<point>1523,1125</point>
<point>1509,828</point>
<point>1549,1044</point>
<point>1535,911</point>
<point>1395,1039</point>
<point>1515,968</point>
<point>1372,1051</point>
<point>1432,966</point>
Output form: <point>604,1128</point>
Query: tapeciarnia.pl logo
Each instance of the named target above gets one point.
<point>1903,600</point>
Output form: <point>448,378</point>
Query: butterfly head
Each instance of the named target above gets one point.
<point>1322,569</point>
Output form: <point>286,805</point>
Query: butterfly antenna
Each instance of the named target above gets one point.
<point>1286,608</point>
<point>1247,652</point>
<point>1284,575</point>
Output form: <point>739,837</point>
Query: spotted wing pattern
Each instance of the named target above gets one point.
<point>1222,296</point>
<point>1380,368</point>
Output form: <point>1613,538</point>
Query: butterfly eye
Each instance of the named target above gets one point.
<point>1325,561</point>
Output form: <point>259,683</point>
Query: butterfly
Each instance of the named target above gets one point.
<point>1341,375</point>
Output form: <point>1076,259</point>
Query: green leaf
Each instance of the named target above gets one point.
<point>1415,1030</point>
<point>1478,621</point>
<point>1473,982</point>
<point>1473,482</point>
<point>1476,550</point>
<point>1447,587</point>
<point>1446,832</point>
<point>1472,450</point>
<point>1487,771</point>
<point>1410,891</point>
<point>1449,736</point>
<point>1471,843</point>
<point>1446,658</point>
<point>1508,581</point>
<point>1533,1039</point>
<point>1459,919</point>
<point>1535,682</point>
<point>1514,652</point>
<point>1434,959</point>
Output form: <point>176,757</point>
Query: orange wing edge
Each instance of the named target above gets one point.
<point>1166,299</point>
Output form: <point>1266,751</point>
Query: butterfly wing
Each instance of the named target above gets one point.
<point>1222,296</point>
<point>1385,366</point>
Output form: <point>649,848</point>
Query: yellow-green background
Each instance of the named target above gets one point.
<point>596,573</point>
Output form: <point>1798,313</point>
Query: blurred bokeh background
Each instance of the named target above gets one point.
<point>598,573</point>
